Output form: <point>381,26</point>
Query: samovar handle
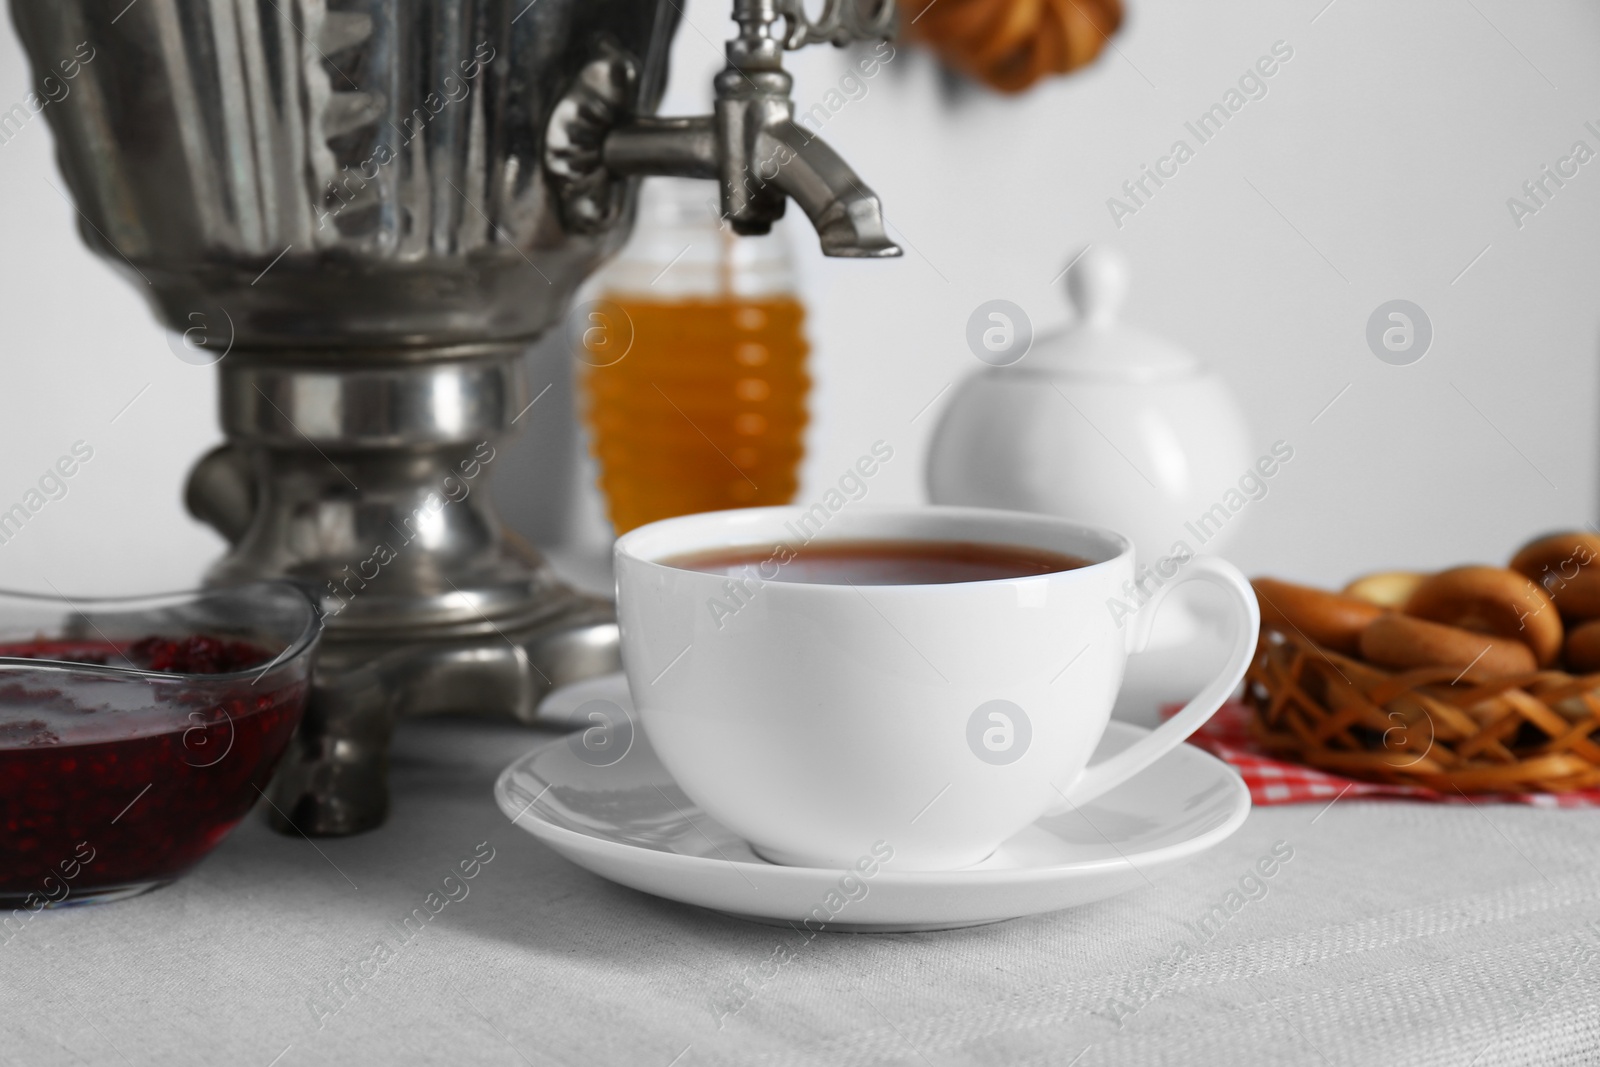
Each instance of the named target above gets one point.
<point>221,491</point>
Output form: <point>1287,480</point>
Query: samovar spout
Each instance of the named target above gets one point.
<point>750,144</point>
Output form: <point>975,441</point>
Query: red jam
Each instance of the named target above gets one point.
<point>109,781</point>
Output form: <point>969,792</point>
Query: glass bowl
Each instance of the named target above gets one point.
<point>135,733</point>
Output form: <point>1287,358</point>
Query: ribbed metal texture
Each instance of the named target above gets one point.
<point>357,172</point>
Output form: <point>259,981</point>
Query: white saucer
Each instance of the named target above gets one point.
<point>630,822</point>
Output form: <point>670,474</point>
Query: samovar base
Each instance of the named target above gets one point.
<point>334,779</point>
<point>362,475</point>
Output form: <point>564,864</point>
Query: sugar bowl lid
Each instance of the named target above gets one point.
<point>1096,345</point>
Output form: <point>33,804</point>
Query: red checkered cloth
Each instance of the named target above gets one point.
<point>1273,781</point>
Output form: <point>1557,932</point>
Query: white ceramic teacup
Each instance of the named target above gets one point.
<point>817,720</point>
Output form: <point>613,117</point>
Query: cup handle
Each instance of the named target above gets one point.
<point>1110,773</point>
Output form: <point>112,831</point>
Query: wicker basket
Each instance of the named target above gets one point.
<point>1528,733</point>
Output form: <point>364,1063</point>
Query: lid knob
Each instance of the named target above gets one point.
<point>1097,282</point>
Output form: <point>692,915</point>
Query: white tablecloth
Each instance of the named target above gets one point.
<point>1396,934</point>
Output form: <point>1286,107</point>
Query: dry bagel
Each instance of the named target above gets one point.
<point>1494,601</point>
<point>1405,641</point>
<point>1567,567</point>
<point>1330,619</point>
<point>1578,598</point>
<point>1387,589</point>
<point>1563,554</point>
<point>1583,648</point>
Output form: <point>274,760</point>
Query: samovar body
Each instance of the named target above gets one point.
<point>363,212</point>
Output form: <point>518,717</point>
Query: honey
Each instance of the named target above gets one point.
<point>705,411</point>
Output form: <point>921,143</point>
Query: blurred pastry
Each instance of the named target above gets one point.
<point>1404,641</point>
<point>1583,648</point>
<point>1491,600</point>
<point>1388,589</point>
<point>1010,44</point>
<point>1565,566</point>
<point>1330,619</point>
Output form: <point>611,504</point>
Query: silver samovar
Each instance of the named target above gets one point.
<point>368,209</point>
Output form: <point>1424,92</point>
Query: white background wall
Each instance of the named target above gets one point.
<point>1383,154</point>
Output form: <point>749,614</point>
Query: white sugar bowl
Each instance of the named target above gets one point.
<point>1103,424</point>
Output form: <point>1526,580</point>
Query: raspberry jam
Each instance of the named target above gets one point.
<point>113,778</point>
